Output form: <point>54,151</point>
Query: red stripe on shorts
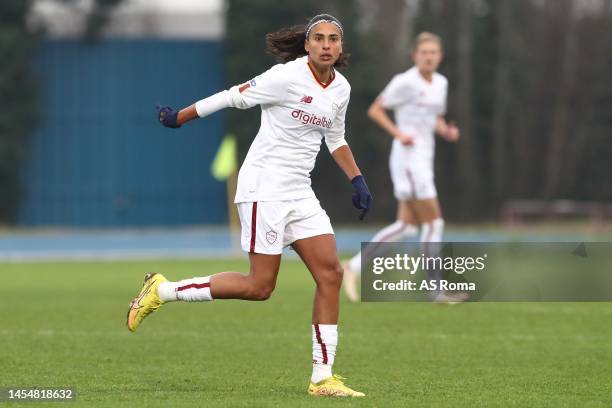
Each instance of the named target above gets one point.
<point>320,341</point>
<point>253,227</point>
<point>412,184</point>
<point>194,286</point>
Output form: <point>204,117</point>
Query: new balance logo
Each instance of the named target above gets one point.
<point>306,99</point>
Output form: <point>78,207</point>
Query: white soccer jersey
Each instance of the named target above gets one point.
<point>297,112</point>
<point>416,104</point>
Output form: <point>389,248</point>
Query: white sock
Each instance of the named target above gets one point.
<point>167,291</point>
<point>396,232</point>
<point>188,290</point>
<point>431,239</point>
<point>431,236</point>
<point>324,342</point>
<point>433,231</point>
<point>320,372</point>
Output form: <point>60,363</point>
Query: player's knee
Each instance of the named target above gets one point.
<point>332,277</point>
<point>262,294</point>
<point>261,290</point>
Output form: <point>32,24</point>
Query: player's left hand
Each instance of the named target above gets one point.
<point>167,116</point>
<point>362,199</point>
<point>452,132</point>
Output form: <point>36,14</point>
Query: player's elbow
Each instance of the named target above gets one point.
<point>235,99</point>
<point>373,110</point>
<point>334,146</point>
<point>239,104</point>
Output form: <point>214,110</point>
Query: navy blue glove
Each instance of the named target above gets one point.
<point>167,116</point>
<point>362,199</point>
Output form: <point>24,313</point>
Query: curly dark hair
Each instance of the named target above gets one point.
<point>287,44</point>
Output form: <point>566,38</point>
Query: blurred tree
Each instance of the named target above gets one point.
<point>461,101</point>
<point>559,132</point>
<point>502,103</point>
<point>19,110</point>
<point>98,16</point>
<point>588,157</point>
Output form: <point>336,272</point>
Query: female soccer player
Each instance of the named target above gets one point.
<point>302,101</point>
<point>418,100</point>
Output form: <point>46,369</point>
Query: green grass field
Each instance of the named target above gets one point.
<point>63,324</point>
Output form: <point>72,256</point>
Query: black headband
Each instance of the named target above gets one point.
<point>323,18</point>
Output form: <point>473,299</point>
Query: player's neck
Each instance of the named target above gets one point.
<point>323,74</point>
<point>426,75</point>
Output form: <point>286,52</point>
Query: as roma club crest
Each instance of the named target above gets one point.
<point>271,236</point>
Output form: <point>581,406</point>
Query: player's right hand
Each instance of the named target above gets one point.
<point>167,116</point>
<point>452,132</point>
<point>362,199</point>
<point>404,138</point>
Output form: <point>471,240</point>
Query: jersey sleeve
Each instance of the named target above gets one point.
<point>334,137</point>
<point>396,92</point>
<point>267,88</point>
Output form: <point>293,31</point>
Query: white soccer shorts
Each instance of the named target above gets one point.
<point>413,182</point>
<point>269,226</point>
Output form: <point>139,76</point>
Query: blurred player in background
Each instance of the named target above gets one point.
<point>417,98</point>
<point>302,102</point>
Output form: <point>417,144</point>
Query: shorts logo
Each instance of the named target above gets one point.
<point>271,237</point>
<point>306,99</point>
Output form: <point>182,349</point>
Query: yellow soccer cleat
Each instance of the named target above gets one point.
<point>333,387</point>
<point>146,302</point>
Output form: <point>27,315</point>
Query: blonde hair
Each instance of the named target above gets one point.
<point>424,37</point>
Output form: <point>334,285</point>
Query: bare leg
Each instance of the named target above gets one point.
<point>406,213</point>
<point>257,285</point>
<point>320,256</point>
<point>424,210</point>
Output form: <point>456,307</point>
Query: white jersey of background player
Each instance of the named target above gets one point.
<point>302,102</point>
<point>417,98</point>
<point>417,104</point>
